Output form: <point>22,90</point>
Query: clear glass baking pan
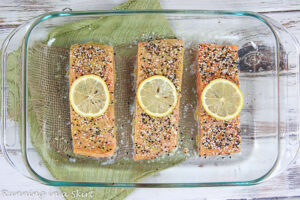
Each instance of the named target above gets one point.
<point>35,127</point>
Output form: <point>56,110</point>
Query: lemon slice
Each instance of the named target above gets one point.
<point>222,99</point>
<point>157,96</point>
<point>89,96</point>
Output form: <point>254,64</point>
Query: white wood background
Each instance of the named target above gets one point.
<point>287,12</point>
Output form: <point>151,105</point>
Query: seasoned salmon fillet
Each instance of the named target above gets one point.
<point>93,136</point>
<point>217,137</point>
<point>154,136</point>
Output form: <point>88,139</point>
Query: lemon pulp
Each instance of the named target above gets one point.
<point>89,96</point>
<point>222,99</point>
<point>157,96</point>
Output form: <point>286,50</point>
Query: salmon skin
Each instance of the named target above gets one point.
<point>154,136</point>
<point>217,137</point>
<point>93,136</point>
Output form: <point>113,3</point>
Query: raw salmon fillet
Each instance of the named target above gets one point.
<point>93,136</point>
<point>154,136</point>
<point>217,137</point>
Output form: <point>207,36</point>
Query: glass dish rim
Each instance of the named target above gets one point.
<point>44,17</point>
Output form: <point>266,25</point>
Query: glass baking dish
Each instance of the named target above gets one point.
<point>35,127</point>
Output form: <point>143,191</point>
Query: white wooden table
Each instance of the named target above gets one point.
<point>287,12</point>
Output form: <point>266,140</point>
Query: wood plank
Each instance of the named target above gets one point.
<point>290,20</point>
<point>14,185</point>
<point>24,10</point>
<point>4,33</point>
<point>284,185</point>
<point>253,5</point>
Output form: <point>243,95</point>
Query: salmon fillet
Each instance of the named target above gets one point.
<point>93,136</point>
<point>154,136</point>
<point>217,137</point>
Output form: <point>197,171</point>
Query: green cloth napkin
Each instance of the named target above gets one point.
<point>116,31</point>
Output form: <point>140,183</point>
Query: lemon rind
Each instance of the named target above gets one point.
<point>213,114</point>
<point>72,88</point>
<point>142,105</point>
